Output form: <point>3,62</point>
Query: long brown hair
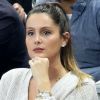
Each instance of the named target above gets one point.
<point>59,16</point>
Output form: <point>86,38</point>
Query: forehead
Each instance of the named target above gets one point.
<point>40,19</point>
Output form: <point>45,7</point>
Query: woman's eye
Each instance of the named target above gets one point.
<point>47,33</point>
<point>30,33</point>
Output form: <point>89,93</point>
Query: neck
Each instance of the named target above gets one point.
<point>56,70</point>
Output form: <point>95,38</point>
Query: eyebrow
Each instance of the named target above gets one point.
<point>29,27</point>
<point>45,27</point>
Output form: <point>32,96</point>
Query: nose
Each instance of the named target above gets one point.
<point>37,39</point>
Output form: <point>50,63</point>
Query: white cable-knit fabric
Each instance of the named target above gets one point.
<point>14,86</point>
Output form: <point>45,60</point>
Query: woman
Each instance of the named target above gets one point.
<point>54,74</point>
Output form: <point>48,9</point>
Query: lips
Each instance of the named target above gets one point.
<point>38,49</point>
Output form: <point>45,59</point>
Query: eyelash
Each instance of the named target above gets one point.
<point>45,33</point>
<point>30,33</point>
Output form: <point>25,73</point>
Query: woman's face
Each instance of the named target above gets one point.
<point>42,36</point>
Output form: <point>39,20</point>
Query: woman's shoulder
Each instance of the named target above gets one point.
<point>84,84</point>
<point>86,89</point>
<point>12,82</point>
<point>85,80</point>
<point>15,73</point>
<point>89,81</point>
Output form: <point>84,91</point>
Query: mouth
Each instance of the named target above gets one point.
<point>38,50</point>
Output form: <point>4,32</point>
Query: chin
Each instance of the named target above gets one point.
<point>38,55</point>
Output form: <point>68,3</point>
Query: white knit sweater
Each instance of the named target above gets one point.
<point>14,86</point>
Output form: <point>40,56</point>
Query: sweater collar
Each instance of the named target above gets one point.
<point>65,85</point>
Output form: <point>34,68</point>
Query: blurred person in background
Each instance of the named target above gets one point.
<point>22,7</point>
<point>13,51</point>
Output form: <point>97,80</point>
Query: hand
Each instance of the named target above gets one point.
<point>39,67</point>
<point>20,11</point>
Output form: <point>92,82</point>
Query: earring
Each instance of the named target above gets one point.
<point>64,44</point>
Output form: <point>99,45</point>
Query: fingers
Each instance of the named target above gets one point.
<point>38,63</point>
<point>30,62</point>
<point>19,10</point>
<point>40,59</point>
<point>18,7</point>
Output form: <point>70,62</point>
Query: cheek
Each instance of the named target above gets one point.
<point>29,49</point>
<point>29,45</point>
<point>54,43</point>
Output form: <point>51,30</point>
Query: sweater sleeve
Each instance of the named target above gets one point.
<point>8,83</point>
<point>4,85</point>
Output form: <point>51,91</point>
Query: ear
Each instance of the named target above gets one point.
<point>65,39</point>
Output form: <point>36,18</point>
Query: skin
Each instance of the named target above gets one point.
<point>66,5</point>
<point>44,35</point>
<point>20,11</point>
<point>42,32</point>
